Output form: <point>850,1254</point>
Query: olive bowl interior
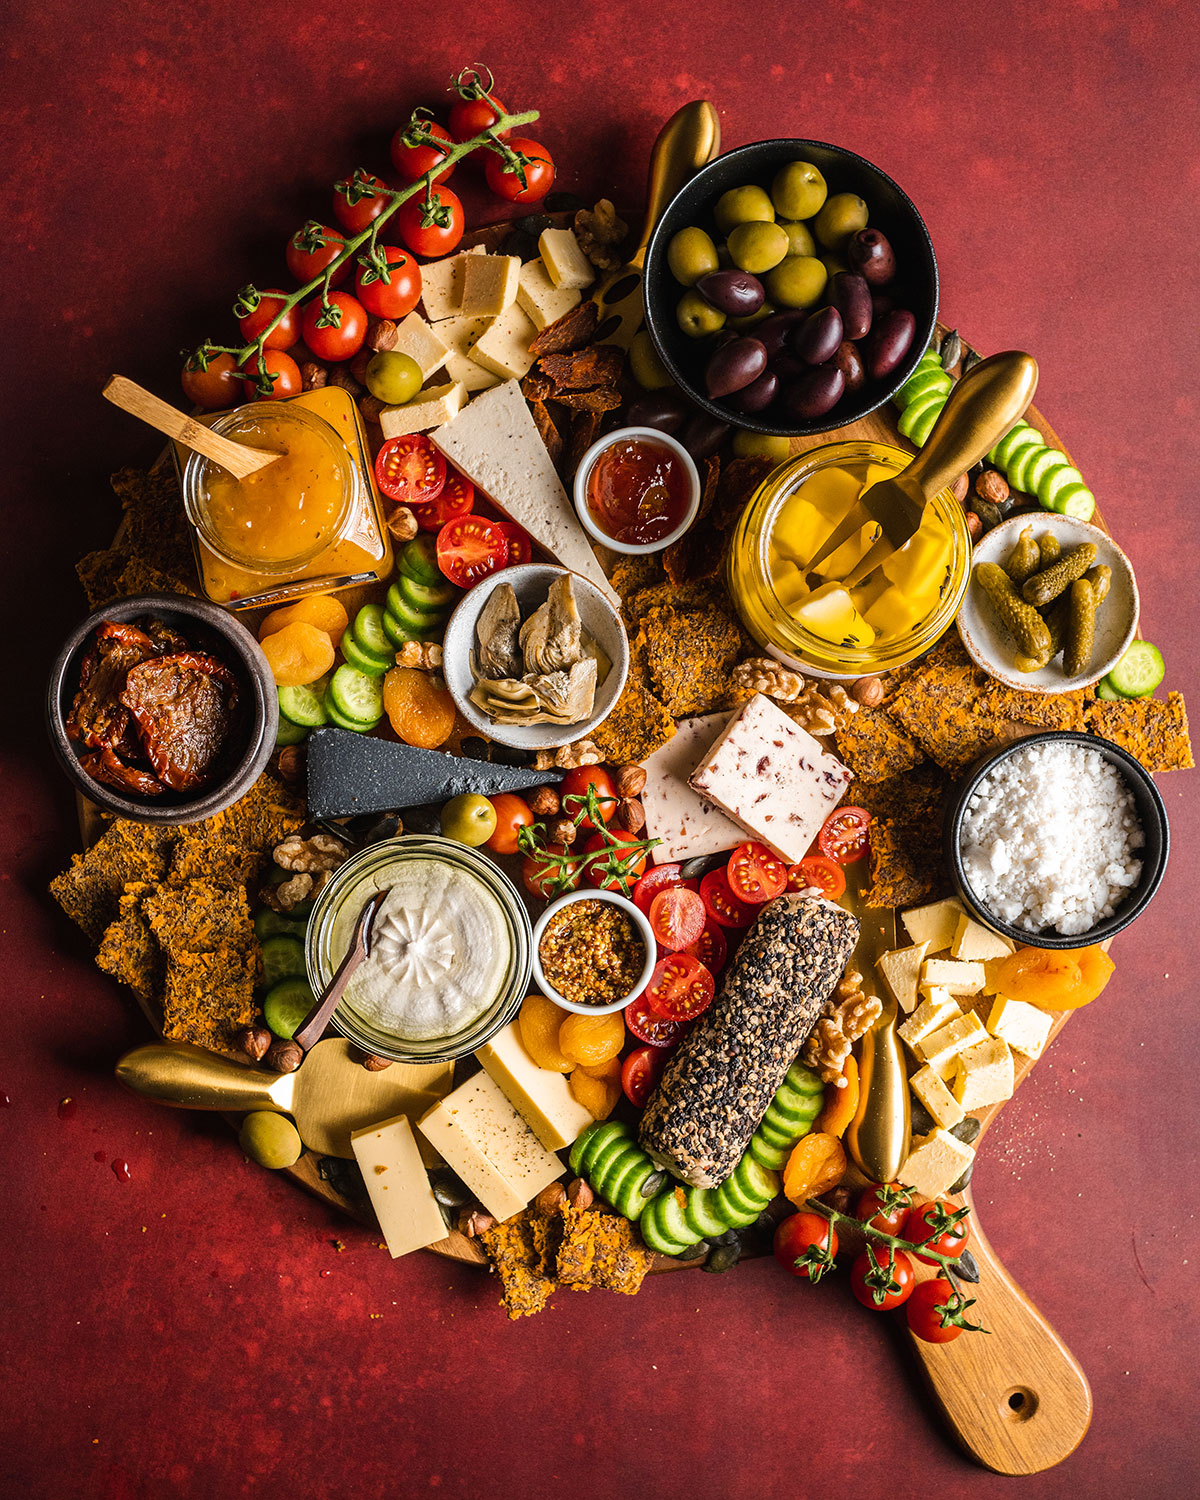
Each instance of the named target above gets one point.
<point>209,628</point>
<point>891,210</point>
<point>645,932</point>
<point>1150,810</point>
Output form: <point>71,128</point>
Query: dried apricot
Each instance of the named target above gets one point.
<point>597,1095</point>
<point>538,1024</point>
<point>1054,979</point>
<point>817,1164</point>
<point>322,610</point>
<point>609,1071</point>
<point>421,712</point>
<point>591,1040</point>
<point>298,654</point>
<point>840,1103</point>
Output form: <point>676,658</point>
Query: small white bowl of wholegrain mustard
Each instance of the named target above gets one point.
<point>593,952</point>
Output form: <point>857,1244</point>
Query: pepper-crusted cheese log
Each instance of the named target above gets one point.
<point>724,1073</point>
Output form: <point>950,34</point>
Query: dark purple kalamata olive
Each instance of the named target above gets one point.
<point>815,393</point>
<point>870,254</point>
<point>665,410</point>
<point>735,293</point>
<point>733,367</point>
<point>772,332</point>
<point>852,297</point>
<point>849,362</point>
<point>889,341</point>
<point>881,302</point>
<point>817,340</point>
<point>702,435</point>
<point>758,395</point>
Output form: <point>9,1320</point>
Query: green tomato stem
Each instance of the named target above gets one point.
<point>836,1217</point>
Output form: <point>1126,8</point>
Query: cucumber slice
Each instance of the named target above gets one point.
<point>411,614</point>
<point>759,1183</point>
<point>268,923</point>
<point>286,1004</point>
<point>1076,501</point>
<point>605,1160</point>
<point>778,1134</point>
<point>792,1111</point>
<point>729,1206</point>
<point>767,1155</point>
<point>302,705</point>
<point>399,634</point>
<point>369,663</point>
<point>1019,466</point>
<point>592,1142</point>
<point>673,1221</point>
<point>1138,672</point>
<point>924,425</point>
<point>701,1214</point>
<point>343,721</point>
<point>653,1232</point>
<point>356,695</point>
<point>1057,481</point>
<point>617,1170</point>
<point>289,733</point>
<point>1109,694</point>
<point>627,1196</point>
<point>427,596</point>
<point>579,1145</point>
<point>1046,462</point>
<point>282,958</point>
<point>418,560</point>
<point>1016,438</point>
<point>367,631</point>
<point>913,414</point>
<point>925,378</point>
<point>804,1080</point>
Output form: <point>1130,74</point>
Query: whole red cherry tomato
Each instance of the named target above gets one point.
<point>895,1273</point>
<point>711,948</point>
<point>413,161</point>
<point>214,387</point>
<point>435,231</point>
<point>311,249</point>
<point>399,294</point>
<point>884,1207</point>
<point>573,792</point>
<point>285,333</point>
<point>366,207</point>
<point>540,877</point>
<point>477,112</point>
<point>796,1235</point>
<point>282,371</point>
<point>512,814</point>
<point>504,175</point>
<point>939,1228</point>
<point>932,1310</point>
<point>618,871</point>
<point>335,335</point>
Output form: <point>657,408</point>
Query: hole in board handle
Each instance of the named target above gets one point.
<point>1019,1405</point>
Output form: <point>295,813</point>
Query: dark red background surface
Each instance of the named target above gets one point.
<point>207,1330</point>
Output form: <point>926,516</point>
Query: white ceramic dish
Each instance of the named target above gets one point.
<point>988,644</point>
<point>531,583</point>
<point>639,920</point>
<point>631,434</point>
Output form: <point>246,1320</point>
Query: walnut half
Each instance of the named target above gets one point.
<point>319,852</point>
<point>847,1015</point>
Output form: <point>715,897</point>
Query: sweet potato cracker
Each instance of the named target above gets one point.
<point>1153,732</point>
<point>90,890</point>
<point>875,747</point>
<point>689,656</point>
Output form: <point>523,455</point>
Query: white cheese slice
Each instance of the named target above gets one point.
<point>490,1146</point>
<point>687,824</point>
<point>542,1097</point>
<point>495,444</point>
<point>391,1165</point>
<point>985,1074</point>
<point>941,1049</point>
<point>901,968</point>
<point>544,302</point>
<point>932,1014</point>
<point>935,1163</point>
<point>934,924</point>
<point>1024,1027</point>
<point>430,408</point>
<point>772,777</point>
<point>441,284</point>
<point>417,339</point>
<point>504,348</point>
<point>936,1097</point>
<point>489,284</point>
<point>950,974</point>
<point>458,334</point>
<point>974,942</point>
<point>565,262</point>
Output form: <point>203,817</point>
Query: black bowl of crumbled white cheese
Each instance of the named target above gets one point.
<point>1058,840</point>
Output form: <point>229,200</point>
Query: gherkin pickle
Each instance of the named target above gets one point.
<point>1081,628</point>
<point>1020,619</point>
<point>1023,663</point>
<point>1023,560</point>
<point>1049,551</point>
<point>1100,579</point>
<point>1048,584</point>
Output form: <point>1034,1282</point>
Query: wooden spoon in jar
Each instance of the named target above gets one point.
<point>237,458</point>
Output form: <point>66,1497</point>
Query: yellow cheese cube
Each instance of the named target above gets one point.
<point>565,262</point>
<point>902,969</point>
<point>458,334</point>
<point>544,302</point>
<point>427,409</point>
<point>1025,1028</point>
<point>490,1146</point>
<point>441,285</point>
<point>931,1015</point>
<point>950,974</point>
<point>489,284</point>
<point>391,1165</point>
<point>974,943</point>
<point>415,338</point>
<point>985,1074</point>
<point>935,1163</point>
<point>936,1097</point>
<point>504,348</point>
<point>543,1098</point>
<point>941,1048</point>
<point>934,924</point>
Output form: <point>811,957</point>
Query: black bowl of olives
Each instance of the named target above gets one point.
<point>791,288</point>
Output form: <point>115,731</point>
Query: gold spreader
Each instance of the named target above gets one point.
<point>240,460</point>
<point>878,1136</point>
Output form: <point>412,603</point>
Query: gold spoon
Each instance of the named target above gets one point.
<point>878,1136</point>
<point>237,458</point>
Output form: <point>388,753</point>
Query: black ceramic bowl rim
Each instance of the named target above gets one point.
<point>246,658</point>
<point>683,209</point>
<point>1150,810</point>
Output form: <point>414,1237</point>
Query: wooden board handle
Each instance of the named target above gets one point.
<point>1015,1399</point>
<point>239,460</point>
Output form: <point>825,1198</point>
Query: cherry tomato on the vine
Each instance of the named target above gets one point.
<point>796,1234</point>
<point>573,791</point>
<point>721,904</point>
<point>410,470</point>
<point>756,874</point>
<point>680,988</point>
<point>307,259</point>
<point>512,814</point>
<point>677,917</point>
<point>649,1027</point>
<point>640,1072</point>
<point>816,870</point>
<point>455,498</point>
<point>469,548</point>
<point>443,231</point>
<point>931,1309</point>
<point>900,1279</point>
<point>540,876</point>
<point>285,333</point>
<point>618,871</point>
<point>845,835</point>
<point>928,1224</point>
<point>470,117</point>
<point>890,1220</point>
<point>282,371</point>
<point>335,335</point>
<point>504,175</point>
<point>361,214</point>
<point>412,162</point>
<point>215,387</point>
<point>399,294</point>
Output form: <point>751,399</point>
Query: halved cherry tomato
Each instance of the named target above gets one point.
<point>721,904</point>
<point>540,876</point>
<point>410,470</point>
<point>927,1225</point>
<point>456,498</point>
<point>471,117</point>
<point>469,548</point>
<point>619,871</point>
<point>338,340</point>
<point>357,216</point>
<point>285,333</point>
<point>845,835</point>
<point>680,988</point>
<point>512,814</point>
<point>443,231</point>
<point>307,259</point>
<point>412,162</point>
<point>283,372</point>
<point>677,917</point>
<point>505,180</point>
<point>756,874</point>
<point>925,1311</point>
<point>651,1028</point>
<point>816,870</point>
<point>660,878</point>
<point>640,1071</point>
<point>711,948</point>
<point>900,1274</point>
<point>573,791</point>
<point>520,547</point>
<point>870,1210</point>
<point>399,294</point>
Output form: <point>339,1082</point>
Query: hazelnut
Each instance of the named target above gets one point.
<point>402,523</point>
<point>473,1222</point>
<point>630,815</point>
<point>561,831</point>
<point>974,525</point>
<point>579,1194</point>
<point>867,691</point>
<point>255,1041</point>
<point>550,1198</point>
<point>291,764</point>
<point>370,406</point>
<point>283,1057</point>
<point>382,336</point>
<point>629,779</point>
<point>358,365</point>
<point>342,378</point>
<point>992,485</point>
<point>313,376</point>
<point>545,802</point>
<point>375,1064</point>
<point>960,487</point>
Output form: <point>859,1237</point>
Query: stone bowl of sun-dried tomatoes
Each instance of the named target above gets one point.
<point>162,708</point>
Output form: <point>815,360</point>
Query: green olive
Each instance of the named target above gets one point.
<point>690,255</point>
<point>697,317</point>
<point>798,190</point>
<point>743,205</point>
<point>644,364</point>
<point>270,1139</point>
<point>800,240</point>
<point>394,378</point>
<point>741,324</point>
<point>468,819</point>
<point>757,247</point>
<point>834,264</point>
<point>796,282</point>
<point>843,215</point>
<point>761,445</point>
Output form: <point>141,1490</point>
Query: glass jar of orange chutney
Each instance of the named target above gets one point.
<point>308,523</point>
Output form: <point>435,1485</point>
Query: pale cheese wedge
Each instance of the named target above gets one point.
<point>1025,1028</point>
<point>936,1097</point>
<point>934,924</point>
<point>441,284</point>
<point>417,339</point>
<point>941,1049</point>
<point>489,284</point>
<point>428,409</point>
<point>974,943</point>
<point>950,974</point>
<point>935,1163</point>
<point>504,348</point>
<point>984,1074</point>
<point>565,262</point>
<point>544,302</point>
<point>458,334</point>
<point>543,1097</point>
<point>901,968</point>
<point>389,1158</point>
<point>931,1015</point>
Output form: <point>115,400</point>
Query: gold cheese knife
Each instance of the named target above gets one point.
<point>689,139</point>
<point>878,1136</point>
<point>983,405</point>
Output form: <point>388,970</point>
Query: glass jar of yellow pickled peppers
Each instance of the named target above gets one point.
<point>308,522</point>
<point>812,620</point>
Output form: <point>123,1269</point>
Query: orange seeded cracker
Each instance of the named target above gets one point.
<point>90,890</point>
<point>637,726</point>
<point>1046,710</point>
<point>600,1250</point>
<point>942,707</point>
<point>129,950</point>
<point>906,865</point>
<point>514,1253</point>
<point>689,656</point>
<point>875,747</point>
<point>1153,732</point>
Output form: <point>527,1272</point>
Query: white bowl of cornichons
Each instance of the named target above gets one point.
<point>593,952</point>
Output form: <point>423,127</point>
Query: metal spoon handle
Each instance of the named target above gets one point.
<point>983,405</point>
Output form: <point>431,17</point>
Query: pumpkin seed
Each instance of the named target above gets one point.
<point>722,1258</point>
<point>965,1269</point>
<point>952,348</point>
<point>654,1184</point>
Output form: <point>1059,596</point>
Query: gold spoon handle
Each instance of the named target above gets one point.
<point>689,139</point>
<point>237,458</point>
<point>983,405</point>
<point>877,1138</point>
<point>187,1077</point>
